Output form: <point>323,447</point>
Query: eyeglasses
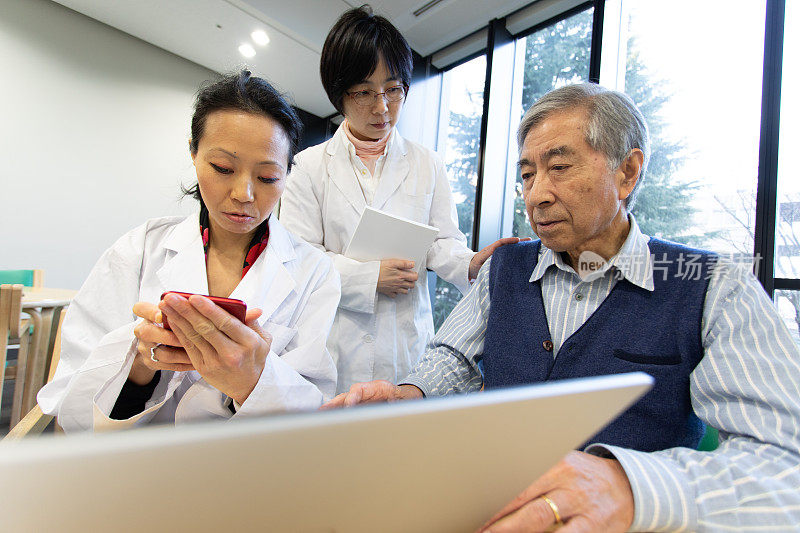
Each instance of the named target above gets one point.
<point>368,97</point>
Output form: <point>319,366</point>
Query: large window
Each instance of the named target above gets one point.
<point>554,56</point>
<point>697,79</point>
<point>787,223</point>
<point>788,304</point>
<point>459,144</point>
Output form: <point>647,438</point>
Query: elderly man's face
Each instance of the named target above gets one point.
<point>574,201</point>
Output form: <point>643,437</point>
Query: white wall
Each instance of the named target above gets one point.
<point>94,129</point>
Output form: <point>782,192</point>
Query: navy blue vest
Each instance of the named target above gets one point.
<point>656,332</point>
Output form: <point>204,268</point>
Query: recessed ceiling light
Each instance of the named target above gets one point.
<point>260,37</point>
<point>247,51</point>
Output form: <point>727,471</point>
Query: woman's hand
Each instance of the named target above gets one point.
<point>228,354</point>
<point>480,258</point>
<point>396,277</point>
<point>372,392</point>
<point>170,355</point>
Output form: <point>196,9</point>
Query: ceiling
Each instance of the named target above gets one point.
<point>209,32</point>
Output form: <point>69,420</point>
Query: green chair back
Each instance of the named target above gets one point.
<point>23,277</point>
<point>710,440</point>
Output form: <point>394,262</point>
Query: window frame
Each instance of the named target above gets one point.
<point>767,187</point>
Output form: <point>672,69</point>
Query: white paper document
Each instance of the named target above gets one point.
<point>380,235</point>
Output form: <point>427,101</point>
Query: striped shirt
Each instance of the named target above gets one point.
<point>747,385</point>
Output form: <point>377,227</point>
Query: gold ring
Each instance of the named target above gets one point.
<point>554,508</point>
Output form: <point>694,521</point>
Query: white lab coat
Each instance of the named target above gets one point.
<point>375,336</point>
<point>294,284</point>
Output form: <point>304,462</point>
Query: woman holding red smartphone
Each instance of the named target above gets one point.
<point>121,367</point>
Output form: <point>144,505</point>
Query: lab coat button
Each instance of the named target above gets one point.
<point>368,338</point>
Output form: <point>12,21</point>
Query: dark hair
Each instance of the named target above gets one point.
<point>353,48</point>
<point>243,92</point>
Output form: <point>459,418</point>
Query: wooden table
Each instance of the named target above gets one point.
<point>44,306</point>
<point>45,297</point>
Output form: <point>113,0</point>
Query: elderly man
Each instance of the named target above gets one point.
<point>595,296</point>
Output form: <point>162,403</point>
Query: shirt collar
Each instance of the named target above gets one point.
<point>547,258</point>
<point>351,148</point>
<point>632,261</point>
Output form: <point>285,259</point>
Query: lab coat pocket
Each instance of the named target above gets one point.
<point>281,336</point>
<point>416,185</point>
<point>417,207</point>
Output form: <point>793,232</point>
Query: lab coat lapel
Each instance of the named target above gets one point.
<point>268,282</point>
<point>395,171</point>
<point>340,171</point>
<point>185,270</point>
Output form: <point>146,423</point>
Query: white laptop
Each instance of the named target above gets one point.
<point>435,465</point>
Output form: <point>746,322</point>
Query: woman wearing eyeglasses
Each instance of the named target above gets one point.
<point>384,320</point>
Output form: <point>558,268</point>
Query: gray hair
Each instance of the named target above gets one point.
<point>615,125</point>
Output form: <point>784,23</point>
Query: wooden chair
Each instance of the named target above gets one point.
<point>35,421</point>
<point>10,308</point>
<point>10,329</point>
<point>26,278</point>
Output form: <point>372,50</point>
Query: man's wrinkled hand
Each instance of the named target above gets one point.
<point>589,492</point>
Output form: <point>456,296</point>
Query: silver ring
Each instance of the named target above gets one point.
<point>153,353</point>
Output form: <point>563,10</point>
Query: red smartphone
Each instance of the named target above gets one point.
<point>237,308</point>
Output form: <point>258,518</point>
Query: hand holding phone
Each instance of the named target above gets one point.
<point>158,348</point>
<point>237,308</point>
<point>229,356</point>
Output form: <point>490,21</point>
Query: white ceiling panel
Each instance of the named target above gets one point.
<point>444,23</point>
<point>308,21</point>
<point>209,32</point>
